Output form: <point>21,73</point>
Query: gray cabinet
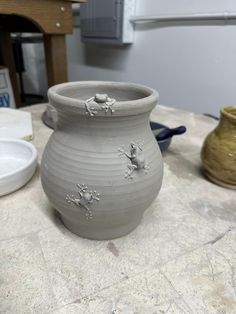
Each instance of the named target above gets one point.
<point>102,21</point>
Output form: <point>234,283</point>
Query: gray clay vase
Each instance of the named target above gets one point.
<point>102,167</point>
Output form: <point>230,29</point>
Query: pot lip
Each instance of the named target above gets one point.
<point>144,104</point>
<point>225,112</point>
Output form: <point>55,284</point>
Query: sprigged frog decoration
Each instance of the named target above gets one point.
<point>103,101</point>
<point>84,199</point>
<point>136,159</point>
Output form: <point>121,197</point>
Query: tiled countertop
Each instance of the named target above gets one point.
<point>181,258</point>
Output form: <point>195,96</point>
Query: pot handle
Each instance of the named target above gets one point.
<point>168,133</point>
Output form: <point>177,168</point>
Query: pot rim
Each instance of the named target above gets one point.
<point>128,107</point>
<point>226,112</point>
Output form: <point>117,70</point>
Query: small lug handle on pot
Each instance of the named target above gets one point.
<point>168,133</point>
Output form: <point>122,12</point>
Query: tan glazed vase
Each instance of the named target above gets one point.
<point>102,167</point>
<point>219,150</point>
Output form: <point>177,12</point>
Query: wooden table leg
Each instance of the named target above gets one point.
<point>55,55</point>
<point>7,60</point>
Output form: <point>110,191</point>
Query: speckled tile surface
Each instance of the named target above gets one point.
<point>24,282</point>
<point>205,278</point>
<point>181,258</point>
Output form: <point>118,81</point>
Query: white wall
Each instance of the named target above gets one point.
<point>193,65</point>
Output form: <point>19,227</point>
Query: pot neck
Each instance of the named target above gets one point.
<point>111,125</point>
<point>228,118</point>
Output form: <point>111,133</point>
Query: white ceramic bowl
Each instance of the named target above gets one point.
<point>18,161</point>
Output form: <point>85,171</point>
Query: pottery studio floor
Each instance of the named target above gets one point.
<point>181,258</point>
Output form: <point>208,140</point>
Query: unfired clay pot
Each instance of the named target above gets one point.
<point>102,167</point>
<point>219,150</point>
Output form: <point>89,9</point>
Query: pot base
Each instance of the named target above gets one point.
<point>100,234</point>
<point>218,182</point>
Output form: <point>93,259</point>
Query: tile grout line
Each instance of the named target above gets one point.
<point>173,287</point>
<point>109,286</point>
<point>159,266</point>
<point>152,268</point>
<point>98,291</point>
<point>209,244</point>
<point>24,235</point>
<point>46,268</point>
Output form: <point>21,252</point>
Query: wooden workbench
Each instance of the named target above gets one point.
<point>53,18</point>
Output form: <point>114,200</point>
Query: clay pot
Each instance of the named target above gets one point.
<point>102,167</point>
<point>219,150</point>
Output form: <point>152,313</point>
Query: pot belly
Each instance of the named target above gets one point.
<point>95,188</point>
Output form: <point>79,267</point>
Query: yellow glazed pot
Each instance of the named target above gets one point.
<point>219,150</point>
